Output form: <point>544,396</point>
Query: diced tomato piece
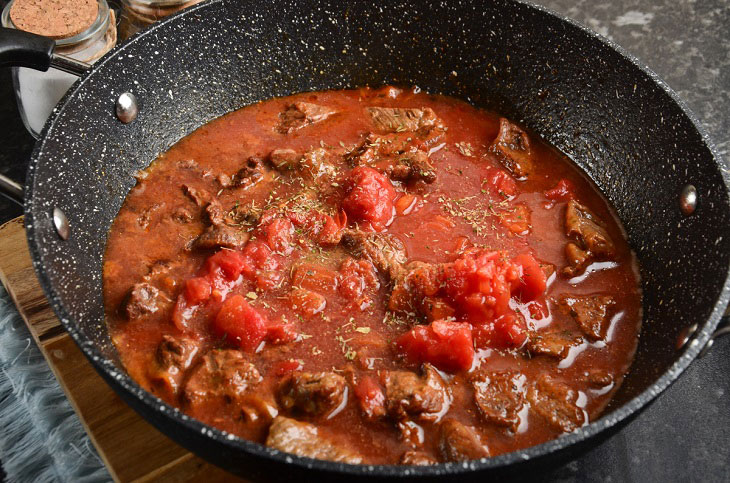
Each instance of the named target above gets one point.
<point>533,280</point>
<point>282,368</point>
<point>405,204</point>
<point>538,309</point>
<point>279,235</point>
<point>229,263</point>
<point>461,244</point>
<point>306,302</point>
<point>371,397</point>
<point>563,191</point>
<point>370,198</point>
<point>446,345</point>
<point>197,290</point>
<point>240,323</point>
<point>480,283</point>
<point>442,223</point>
<point>315,277</point>
<point>280,333</point>
<point>357,276</point>
<point>257,255</point>
<point>501,182</point>
<point>517,219</point>
<point>507,332</point>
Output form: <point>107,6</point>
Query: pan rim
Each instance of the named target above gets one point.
<point>123,382</point>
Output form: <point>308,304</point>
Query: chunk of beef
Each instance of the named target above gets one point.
<point>412,166</point>
<point>396,119</point>
<point>553,344</point>
<point>314,394</point>
<point>182,215</point>
<point>556,402</point>
<point>223,373</point>
<point>301,114</point>
<point>174,356</point>
<point>385,251</point>
<point>499,396</point>
<point>414,289</point>
<point>512,147</point>
<point>221,236</point>
<point>145,217</point>
<point>590,311</point>
<point>303,439</point>
<point>199,197</point>
<point>598,378</point>
<point>313,164</point>
<point>460,443</point>
<point>283,159</point>
<point>251,173</point>
<point>410,396</point>
<point>143,299</point>
<point>591,238</point>
<point>397,155</point>
<point>417,458</point>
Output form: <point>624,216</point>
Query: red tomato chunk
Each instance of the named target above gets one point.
<point>501,182</point>
<point>507,332</point>
<point>563,191</point>
<point>447,345</point>
<point>240,323</point>
<point>370,198</point>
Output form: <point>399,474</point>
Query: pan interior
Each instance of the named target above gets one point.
<point>591,102</point>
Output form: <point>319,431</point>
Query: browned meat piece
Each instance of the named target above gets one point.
<point>417,458</point>
<point>251,173</point>
<point>217,236</point>
<point>396,119</point>
<point>143,299</point>
<point>315,394</point>
<point>598,378</point>
<point>460,443</point>
<point>410,396</point>
<point>590,311</point>
<point>413,166</point>
<point>399,158</point>
<point>554,344</point>
<point>591,239</point>
<point>221,374</point>
<point>303,439</point>
<point>556,402</point>
<point>499,396</point>
<point>301,114</point>
<point>174,356</point>
<point>413,290</point>
<point>200,197</point>
<point>385,251</point>
<point>144,218</point>
<point>182,215</point>
<point>283,159</point>
<point>512,147</point>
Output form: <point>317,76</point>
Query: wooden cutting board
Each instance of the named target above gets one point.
<point>130,447</point>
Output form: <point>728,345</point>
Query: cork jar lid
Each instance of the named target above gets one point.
<point>57,19</point>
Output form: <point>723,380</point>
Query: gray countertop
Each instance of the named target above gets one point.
<point>685,434</point>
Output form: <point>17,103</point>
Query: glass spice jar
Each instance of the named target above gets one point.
<point>37,93</point>
<point>139,14</point>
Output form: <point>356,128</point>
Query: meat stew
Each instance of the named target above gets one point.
<point>426,274</point>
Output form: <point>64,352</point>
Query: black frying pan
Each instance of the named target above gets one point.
<point>619,122</point>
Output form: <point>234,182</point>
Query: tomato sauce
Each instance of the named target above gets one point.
<point>321,234</point>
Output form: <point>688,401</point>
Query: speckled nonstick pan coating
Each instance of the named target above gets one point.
<point>586,96</point>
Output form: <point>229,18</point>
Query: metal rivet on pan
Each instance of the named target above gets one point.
<point>60,222</point>
<point>688,200</point>
<point>127,108</point>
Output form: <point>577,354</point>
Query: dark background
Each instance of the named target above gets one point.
<point>685,434</point>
